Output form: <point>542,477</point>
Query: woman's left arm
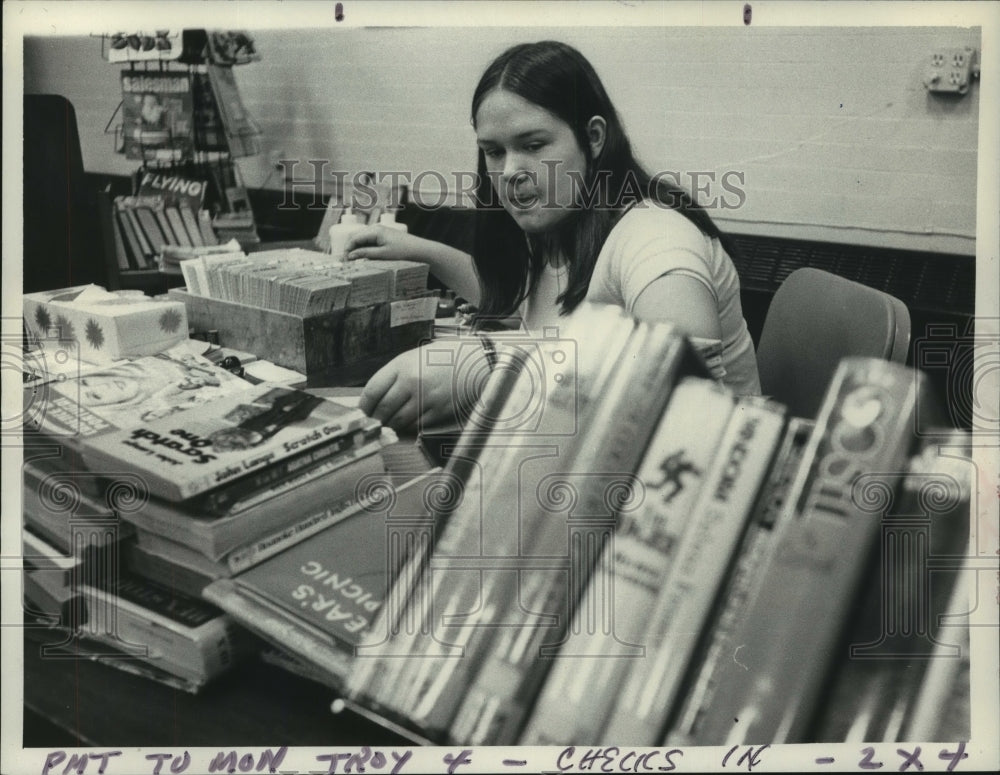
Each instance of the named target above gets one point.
<point>682,300</point>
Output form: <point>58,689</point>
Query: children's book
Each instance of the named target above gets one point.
<point>130,392</point>
<point>254,437</point>
<point>318,597</point>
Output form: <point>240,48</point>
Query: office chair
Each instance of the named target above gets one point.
<point>817,318</point>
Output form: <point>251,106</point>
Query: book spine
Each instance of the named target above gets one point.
<point>685,600</point>
<point>192,653</point>
<point>136,259</point>
<point>164,223</point>
<point>145,249</point>
<point>194,233</point>
<point>267,546</point>
<point>150,228</point>
<point>121,254</point>
<point>585,679</point>
<point>741,587</point>
<point>439,695</point>
<point>174,216</point>
<point>221,499</point>
<point>895,633</point>
<point>865,424</point>
<point>322,653</point>
<point>401,659</point>
<point>205,227</point>
<point>331,482</point>
<point>493,711</point>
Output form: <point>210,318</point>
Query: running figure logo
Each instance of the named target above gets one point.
<point>673,469</point>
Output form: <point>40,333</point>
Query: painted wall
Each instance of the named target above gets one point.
<point>831,129</point>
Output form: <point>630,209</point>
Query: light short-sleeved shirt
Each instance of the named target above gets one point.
<point>651,241</point>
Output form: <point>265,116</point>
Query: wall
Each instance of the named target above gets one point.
<point>832,129</point>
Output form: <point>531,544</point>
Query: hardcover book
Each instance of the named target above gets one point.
<point>743,580</point>
<point>584,681</point>
<point>246,440</point>
<point>601,477</point>
<point>838,505</point>
<point>542,433</point>
<point>685,599</point>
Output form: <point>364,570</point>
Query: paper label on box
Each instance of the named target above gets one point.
<point>412,311</point>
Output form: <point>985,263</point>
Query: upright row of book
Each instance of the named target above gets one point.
<point>595,578</point>
<point>577,574</point>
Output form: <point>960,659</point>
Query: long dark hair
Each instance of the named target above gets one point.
<point>559,79</point>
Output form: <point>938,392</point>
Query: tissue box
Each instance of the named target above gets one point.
<point>105,326</point>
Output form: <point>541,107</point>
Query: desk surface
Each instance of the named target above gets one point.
<point>255,704</point>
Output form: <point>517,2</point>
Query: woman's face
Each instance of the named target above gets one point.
<point>533,159</point>
<point>104,389</point>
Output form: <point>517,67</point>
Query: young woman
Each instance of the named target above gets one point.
<point>565,213</point>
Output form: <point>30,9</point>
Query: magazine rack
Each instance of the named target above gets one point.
<point>180,115</point>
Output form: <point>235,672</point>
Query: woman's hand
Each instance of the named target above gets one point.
<point>407,398</point>
<point>449,265</point>
<point>381,243</point>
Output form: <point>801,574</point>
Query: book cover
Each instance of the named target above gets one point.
<point>157,110</point>
<point>233,438</point>
<point>131,392</point>
<point>865,424</point>
<point>569,512</point>
<point>319,596</point>
<point>584,681</point>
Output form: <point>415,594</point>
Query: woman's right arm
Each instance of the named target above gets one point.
<point>449,265</point>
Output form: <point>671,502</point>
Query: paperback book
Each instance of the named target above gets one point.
<point>318,597</point>
<point>236,443</point>
<point>128,393</point>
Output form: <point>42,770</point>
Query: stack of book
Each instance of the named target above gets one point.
<point>607,579</point>
<point>160,459</point>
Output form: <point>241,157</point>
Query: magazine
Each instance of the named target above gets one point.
<point>157,111</point>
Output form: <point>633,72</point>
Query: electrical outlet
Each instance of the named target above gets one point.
<point>951,70</point>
